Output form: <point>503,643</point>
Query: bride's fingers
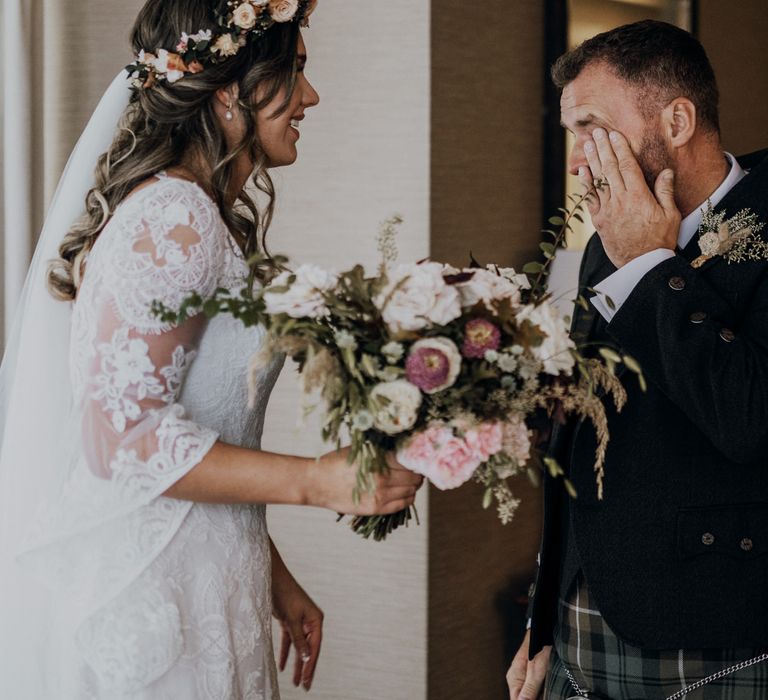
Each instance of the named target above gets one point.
<point>398,493</point>
<point>285,647</point>
<point>315,639</point>
<point>302,651</point>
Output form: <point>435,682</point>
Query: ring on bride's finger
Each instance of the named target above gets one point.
<point>600,183</point>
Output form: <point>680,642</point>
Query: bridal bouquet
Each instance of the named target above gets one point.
<point>447,367</point>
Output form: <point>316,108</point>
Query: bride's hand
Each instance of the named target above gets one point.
<point>302,624</point>
<point>335,481</point>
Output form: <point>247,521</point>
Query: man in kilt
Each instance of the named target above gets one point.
<point>660,589</point>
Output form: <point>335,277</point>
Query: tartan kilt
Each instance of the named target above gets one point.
<point>609,669</point>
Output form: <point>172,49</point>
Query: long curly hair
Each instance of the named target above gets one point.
<point>167,122</point>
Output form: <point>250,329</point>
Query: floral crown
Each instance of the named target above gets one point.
<point>249,19</point>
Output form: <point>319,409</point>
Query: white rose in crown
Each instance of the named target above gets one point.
<point>283,10</point>
<point>225,45</point>
<point>417,295</point>
<point>487,286</point>
<point>303,297</point>
<point>554,352</point>
<point>396,406</point>
<point>244,16</point>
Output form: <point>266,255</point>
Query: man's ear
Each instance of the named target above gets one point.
<point>679,121</point>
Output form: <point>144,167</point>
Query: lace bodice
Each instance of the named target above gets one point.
<point>164,598</point>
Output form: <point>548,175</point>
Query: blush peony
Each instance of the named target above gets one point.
<point>417,296</point>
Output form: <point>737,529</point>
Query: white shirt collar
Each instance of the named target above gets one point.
<point>690,224</point>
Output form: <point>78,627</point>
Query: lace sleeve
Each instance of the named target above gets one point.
<point>131,437</point>
<point>134,431</point>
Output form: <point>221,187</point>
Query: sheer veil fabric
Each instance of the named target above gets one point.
<point>36,411</point>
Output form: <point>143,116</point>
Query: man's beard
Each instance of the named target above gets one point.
<point>653,156</point>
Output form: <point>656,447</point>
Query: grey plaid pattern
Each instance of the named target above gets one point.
<point>607,668</point>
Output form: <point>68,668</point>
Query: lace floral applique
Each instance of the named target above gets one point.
<point>127,377</point>
<point>175,372</point>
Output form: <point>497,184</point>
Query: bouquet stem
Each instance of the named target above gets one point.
<point>379,526</point>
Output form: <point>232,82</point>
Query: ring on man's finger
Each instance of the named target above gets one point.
<point>600,183</point>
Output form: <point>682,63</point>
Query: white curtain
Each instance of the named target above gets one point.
<point>58,58</point>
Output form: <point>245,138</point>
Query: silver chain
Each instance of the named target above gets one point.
<point>689,688</point>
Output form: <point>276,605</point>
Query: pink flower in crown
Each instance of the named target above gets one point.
<point>433,364</point>
<point>485,440</point>
<point>445,459</point>
<point>480,335</point>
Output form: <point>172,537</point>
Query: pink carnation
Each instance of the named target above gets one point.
<point>448,460</point>
<point>480,336</point>
<point>485,440</point>
<point>516,441</point>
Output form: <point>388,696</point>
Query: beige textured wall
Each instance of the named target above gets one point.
<point>733,33</point>
<point>364,154</point>
<point>487,87</point>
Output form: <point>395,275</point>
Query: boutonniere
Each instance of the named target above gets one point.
<point>736,239</point>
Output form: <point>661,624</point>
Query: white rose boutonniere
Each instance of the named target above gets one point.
<point>736,239</point>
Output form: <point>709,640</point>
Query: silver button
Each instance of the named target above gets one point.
<point>727,335</point>
<point>707,538</point>
<point>677,283</point>
<point>746,544</point>
<point>698,317</point>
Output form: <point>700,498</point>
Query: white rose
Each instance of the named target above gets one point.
<point>520,279</point>
<point>283,10</point>
<point>422,297</point>
<point>400,408</point>
<point>486,286</point>
<point>244,16</point>
<point>554,352</point>
<point>709,244</point>
<point>225,45</point>
<point>304,297</point>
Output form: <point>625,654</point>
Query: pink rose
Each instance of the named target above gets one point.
<point>445,459</point>
<point>516,441</point>
<point>485,440</point>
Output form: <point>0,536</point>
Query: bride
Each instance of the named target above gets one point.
<point>135,558</point>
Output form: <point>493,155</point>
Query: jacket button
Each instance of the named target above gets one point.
<point>746,544</point>
<point>698,317</point>
<point>707,538</point>
<point>677,283</point>
<point>727,335</point>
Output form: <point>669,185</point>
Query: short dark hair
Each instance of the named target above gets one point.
<point>661,59</point>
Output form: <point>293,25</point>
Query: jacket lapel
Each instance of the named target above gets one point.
<point>747,193</point>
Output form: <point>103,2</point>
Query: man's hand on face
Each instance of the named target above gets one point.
<point>630,219</point>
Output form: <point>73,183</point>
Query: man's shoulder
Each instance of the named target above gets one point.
<point>749,161</point>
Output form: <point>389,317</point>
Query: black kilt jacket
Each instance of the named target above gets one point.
<point>676,553</point>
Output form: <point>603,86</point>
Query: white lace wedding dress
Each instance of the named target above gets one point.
<point>157,598</point>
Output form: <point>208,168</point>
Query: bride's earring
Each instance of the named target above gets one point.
<point>228,113</point>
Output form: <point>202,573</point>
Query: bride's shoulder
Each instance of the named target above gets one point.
<point>163,203</point>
